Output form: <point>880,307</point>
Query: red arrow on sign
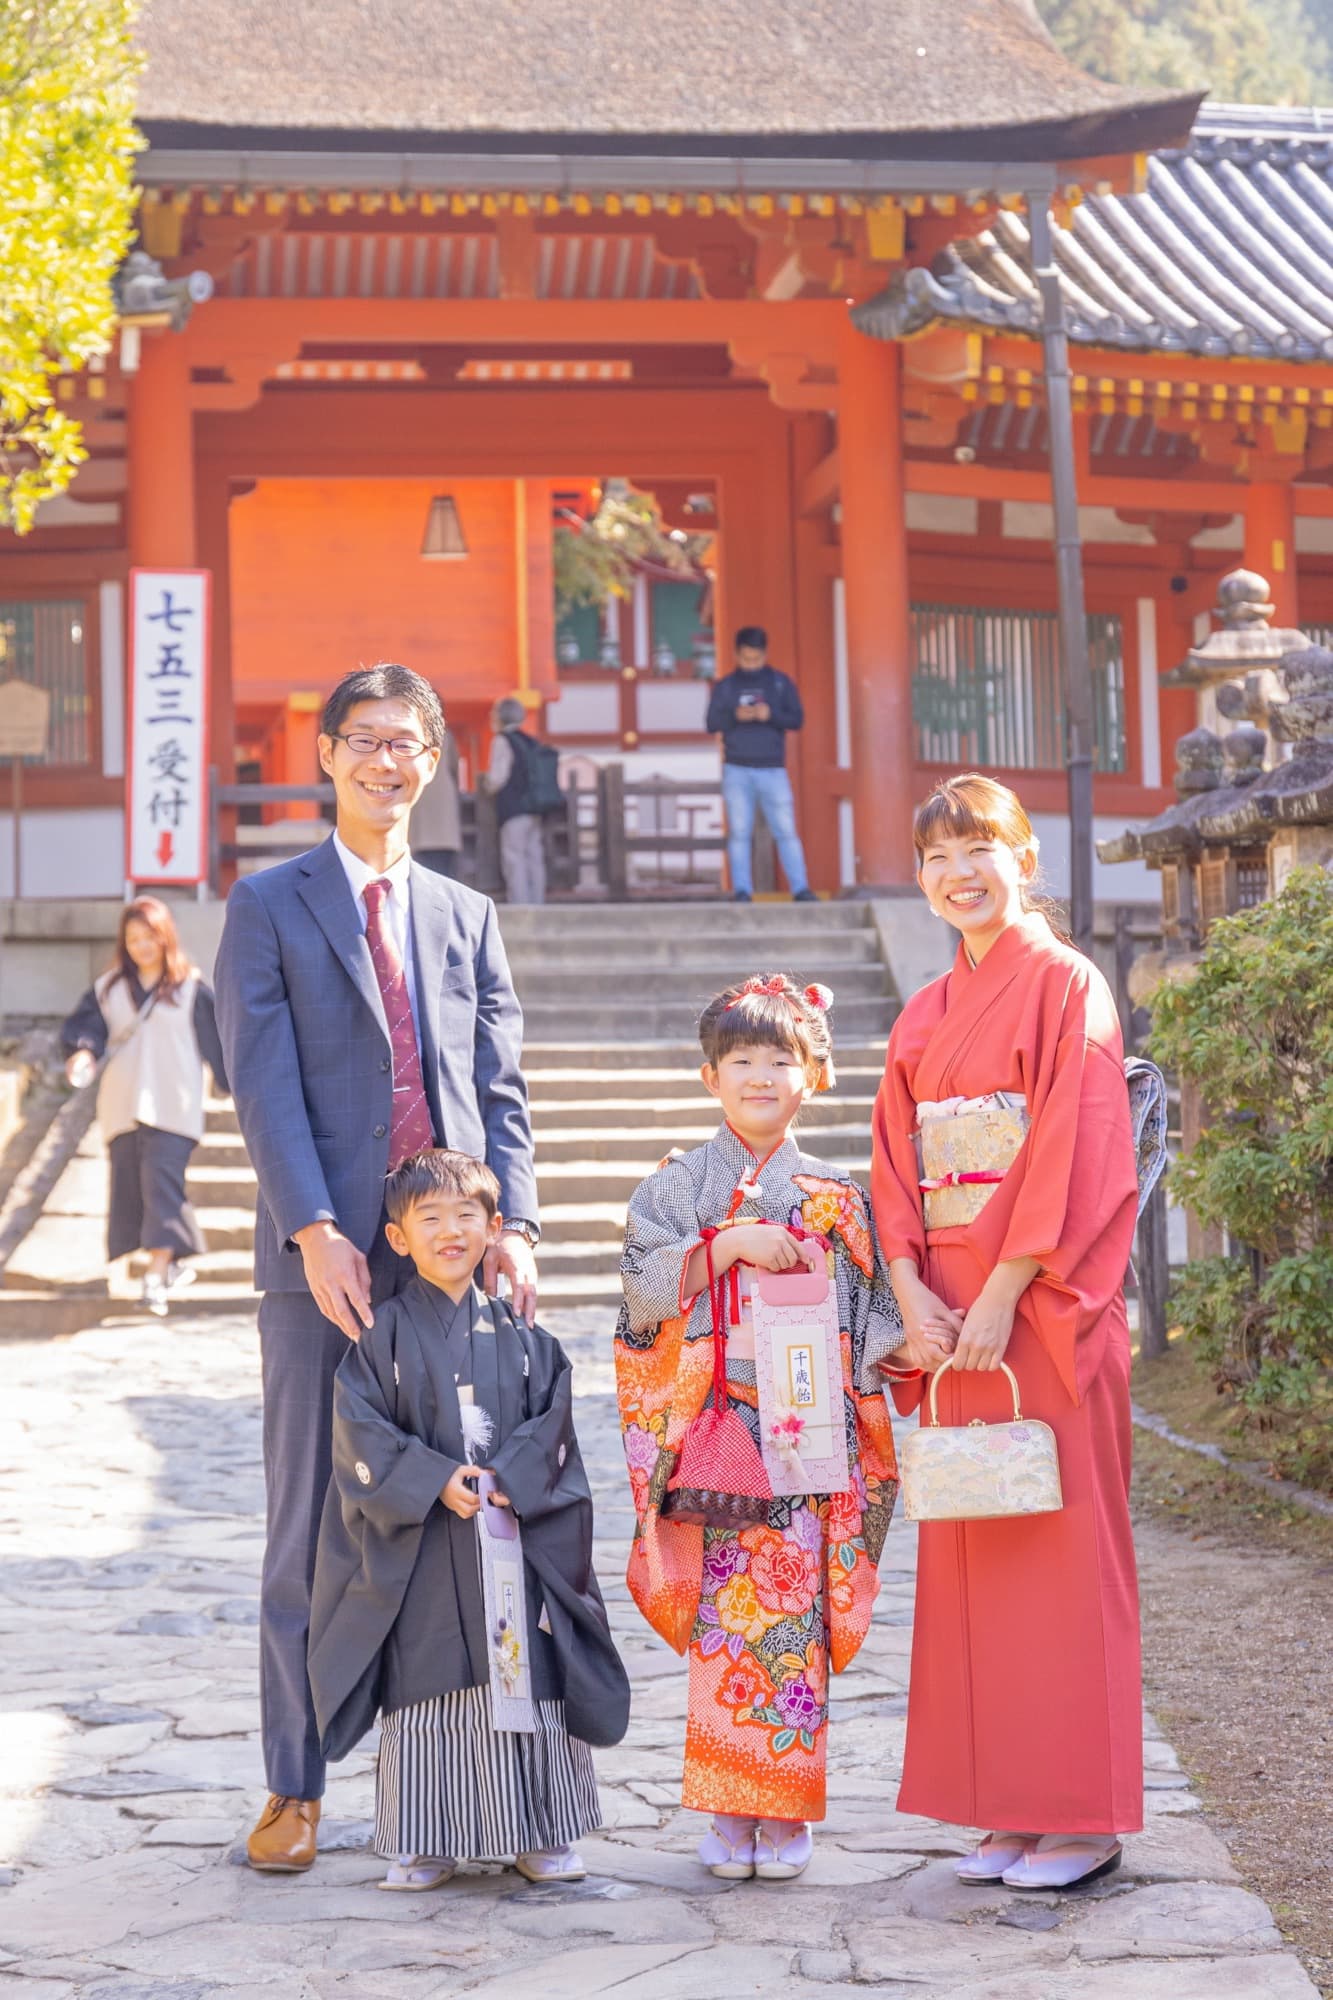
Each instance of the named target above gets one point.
<point>164,849</point>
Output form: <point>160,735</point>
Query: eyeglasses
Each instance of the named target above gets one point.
<point>362,744</point>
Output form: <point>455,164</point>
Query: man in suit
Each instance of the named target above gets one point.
<point>367,1011</point>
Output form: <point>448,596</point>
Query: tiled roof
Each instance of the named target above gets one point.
<point>970,79</point>
<point>1229,251</point>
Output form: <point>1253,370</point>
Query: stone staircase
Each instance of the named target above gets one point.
<point>611,994</point>
<point>610,997</point>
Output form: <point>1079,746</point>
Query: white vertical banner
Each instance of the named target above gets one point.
<point>167,792</point>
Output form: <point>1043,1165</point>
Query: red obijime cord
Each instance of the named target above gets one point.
<point>982,1177</point>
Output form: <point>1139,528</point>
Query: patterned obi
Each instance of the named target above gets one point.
<point>965,1146</point>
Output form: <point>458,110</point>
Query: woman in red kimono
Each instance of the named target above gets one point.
<point>1025,1708</point>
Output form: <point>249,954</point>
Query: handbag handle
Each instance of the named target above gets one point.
<point>935,1390</point>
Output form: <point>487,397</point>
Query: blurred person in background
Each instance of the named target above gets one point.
<point>148,1023</point>
<point>437,816</point>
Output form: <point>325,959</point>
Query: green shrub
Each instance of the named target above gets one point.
<point>1252,1028</point>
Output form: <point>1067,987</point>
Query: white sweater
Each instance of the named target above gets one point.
<point>156,1076</point>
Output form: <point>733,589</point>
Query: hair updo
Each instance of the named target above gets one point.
<point>772,1011</point>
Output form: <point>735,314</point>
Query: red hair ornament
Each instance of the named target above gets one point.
<point>819,997</point>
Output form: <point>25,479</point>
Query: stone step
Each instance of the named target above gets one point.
<point>671,1058</point>
<point>222,1146</point>
<point>830,954</point>
<point>659,918</point>
<point>627,1142</point>
<point>590,1221</point>
<point>636,1017</point>
<point>594,1114</point>
<point>231,1228</point>
<point>219,1187</point>
<point>233,1265</point>
<point>683,982</point>
<point>609,1181</point>
<point>39,1315</point>
<point>591,1080</point>
<point>582,1288</point>
<point>568,1256</point>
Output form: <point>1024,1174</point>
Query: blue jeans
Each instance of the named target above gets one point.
<point>743,788</point>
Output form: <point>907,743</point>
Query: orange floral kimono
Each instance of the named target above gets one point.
<point>1024,1709</point>
<point>761,1609</point>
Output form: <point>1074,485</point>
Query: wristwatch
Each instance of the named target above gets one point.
<point>518,1226</point>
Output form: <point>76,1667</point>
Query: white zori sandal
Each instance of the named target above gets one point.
<point>551,1864</point>
<point>411,1873</point>
<point>727,1849</point>
<point>1064,1860</point>
<point>996,1852</point>
<point>782,1849</point>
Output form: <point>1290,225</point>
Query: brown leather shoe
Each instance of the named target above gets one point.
<point>283,1842</point>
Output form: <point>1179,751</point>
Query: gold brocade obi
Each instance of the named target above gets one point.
<point>966,1145</point>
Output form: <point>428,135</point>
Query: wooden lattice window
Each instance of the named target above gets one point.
<point>1212,891</point>
<point>1251,880</point>
<point>42,641</point>
<point>987,690</point>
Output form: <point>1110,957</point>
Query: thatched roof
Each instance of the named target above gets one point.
<point>962,79</point>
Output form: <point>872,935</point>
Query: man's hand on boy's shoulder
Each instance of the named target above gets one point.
<point>512,1257</point>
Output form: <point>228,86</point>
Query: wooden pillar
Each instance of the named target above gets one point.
<point>1177,706</point>
<point>1270,544</point>
<point>160,509</point>
<point>821,782</point>
<point>213,515</point>
<point>874,568</point>
<point>301,750</point>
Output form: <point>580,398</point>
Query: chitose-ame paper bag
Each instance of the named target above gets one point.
<point>798,1372</point>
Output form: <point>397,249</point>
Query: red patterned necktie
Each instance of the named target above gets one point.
<point>411,1130</point>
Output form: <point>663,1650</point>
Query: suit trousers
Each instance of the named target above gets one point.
<point>299,1351</point>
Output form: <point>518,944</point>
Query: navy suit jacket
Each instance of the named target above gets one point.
<point>308,1054</point>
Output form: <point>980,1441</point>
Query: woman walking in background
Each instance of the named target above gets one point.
<point>149,1021</point>
<point>1005,1194</point>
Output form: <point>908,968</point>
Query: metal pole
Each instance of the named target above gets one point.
<point>16,798</point>
<point>1076,670</point>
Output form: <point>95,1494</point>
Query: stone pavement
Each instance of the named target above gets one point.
<point>130,1542</point>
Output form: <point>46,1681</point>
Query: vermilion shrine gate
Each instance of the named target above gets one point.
<point>435,270</point>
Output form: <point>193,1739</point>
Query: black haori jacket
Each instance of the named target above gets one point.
<point>397,1614</point>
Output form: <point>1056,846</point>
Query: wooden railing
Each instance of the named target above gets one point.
<point>479,861</point>
<point>618,838</point>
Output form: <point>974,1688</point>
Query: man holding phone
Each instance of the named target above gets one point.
<point>752,710</point>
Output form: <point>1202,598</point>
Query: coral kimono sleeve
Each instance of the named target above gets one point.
<point>895,1175</point>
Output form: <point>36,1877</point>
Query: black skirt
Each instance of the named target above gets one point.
<point>148,1209</point>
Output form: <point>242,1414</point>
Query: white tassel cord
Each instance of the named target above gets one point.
<point>478,1432</point>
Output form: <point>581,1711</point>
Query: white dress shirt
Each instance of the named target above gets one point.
<point>397,909</point>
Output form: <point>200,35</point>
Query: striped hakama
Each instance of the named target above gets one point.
<point>449,1783</point>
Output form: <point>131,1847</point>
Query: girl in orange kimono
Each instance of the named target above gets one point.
<point>765,1608</point>
<point>1024,1710</point>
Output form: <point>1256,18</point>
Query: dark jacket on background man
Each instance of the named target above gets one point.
<point>761,745</point>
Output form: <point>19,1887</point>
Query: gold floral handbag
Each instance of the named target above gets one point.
<point>979,1471</point>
